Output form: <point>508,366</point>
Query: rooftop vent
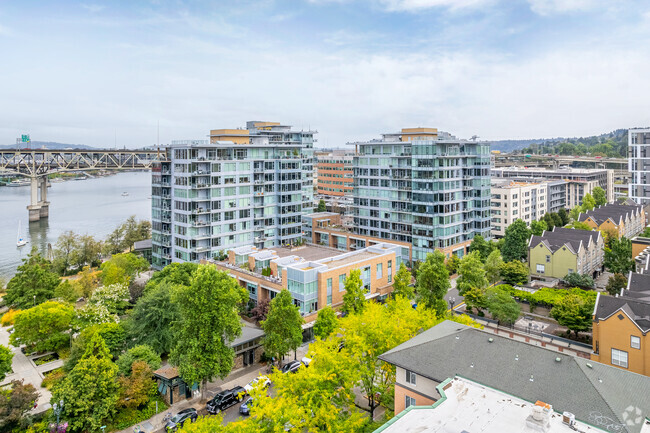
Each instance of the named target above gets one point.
<point>531,378</point>
<point>558,359</point>
<point>490,340</point>
<point>540,417</point>
<point>569,419</point>
<point>589,366</point>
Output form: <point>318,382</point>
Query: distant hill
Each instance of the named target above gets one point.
<point>613,144</point>
<point>47,145</point>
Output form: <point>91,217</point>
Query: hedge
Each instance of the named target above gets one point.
<point>547,297</point>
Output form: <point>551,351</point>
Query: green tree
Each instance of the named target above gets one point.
<point>6,357</point>
<point>645,234</point>
<point>599,196</point>
<point>515,246</point>
<point>475,298</point>
<point>481,245</point>
<point>66,292</point>
<point>88,252</point>
<point>452,264</point>
<point>326,323</point>
<point>588,202</point>
<point>208,324</point>
<point>471,274</point>
<point>354,298</point>
<point>575,213</point>
<point>283,326</point>
<point>402,282</point>
<point>321,206</point>
<point>618,258</point>
<point>574,312</point>
<point>141,352</point>
<point>564,216</point>
<point>121,268</point>
<point>90,391</point>
<point>579,225</point>
<point>538,227</point>
<point>115,297</point>
<point>44,327</point>
<point>113,335</point>
<point>514,272</point>
<point>493,267</point>
<point>174,274</point>
<point>14,405</point>
<point>576,280</point>
<point>64,251</point>
<point>138,387</point>
<point>433,281</point>
<point>615,283</point>
<point>502,307</point>
<point>152,320</point>
<point>549,221</point>
<point>33,284</point>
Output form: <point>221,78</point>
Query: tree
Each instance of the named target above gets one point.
<point>564,216</point>
<point>6,356</point>
<point>433,281</point>
<point>138,387</point>
<point>87,281</point>
<point>580,225</point>
<point>493,267</point>
<point>588,202</point>
<point>94,314</point>
<point>121,268</point>
<point>514,273</point>
<point>402,282</point>
<point>90,391</point>
<point>66,292</point>
<point>261,310</point>
<point>618,258</point>
<point>174,274</point>
<point>88,252</point>
<point>576,280</point>
<point>515,246</point>
<point>481,245</point>
<point>615,283</point>
<point>549,221</point>
<point>66,246</point>
<point>283,326</point>
<point>575,213</point>
<point>44,327</point>
<point>14,404</point>
<point>113,335</point>
<point>538,227</point>
<point>33,284</point>
<point>152,320</point>
<point>471,274</point>
<point>452,264</point>
<point>321,206</point>
<point>600,197</point>
<point>326,323</point>
<point>354,298</point>
<point>645,234</point>
<point>208,324</point>
<point>126,234</point>
<point>502,307</point>
<point>115,297</point>
<point>475,298</point>
<point>141,352</point>
<point>574,312</point>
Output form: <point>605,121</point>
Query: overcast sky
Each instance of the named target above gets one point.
<point>85,72</point>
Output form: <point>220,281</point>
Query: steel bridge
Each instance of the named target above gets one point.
<point>36,164</point>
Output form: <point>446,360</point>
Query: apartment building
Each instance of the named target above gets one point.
<point>423,187</point>
<point>578,181</point>
<point>625,220</point>
<point>563,251</point>
<point>581,390</point>
<point>239,187</point>
<point>528,201</point>
<point>334,174</point>
<point>639,164</point>
<point>314,275</point>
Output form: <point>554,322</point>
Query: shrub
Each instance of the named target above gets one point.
<point>52,378</point>
<point>9,318</point>
<point>546,296</point>
<point>576,280</point>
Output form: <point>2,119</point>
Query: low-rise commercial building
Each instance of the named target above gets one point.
<point>562,251</point>
<point>578,181</point>
<point>589,392</point>
<point>625,220</point>
<point>314,275</point>
<point>334,174</point>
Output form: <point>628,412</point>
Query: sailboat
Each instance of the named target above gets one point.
<point>20,242</point>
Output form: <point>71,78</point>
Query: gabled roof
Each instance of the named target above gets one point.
<point>571,238</point>
<point>592,391</point>
<point>614,212</point>
<point>635,307</point>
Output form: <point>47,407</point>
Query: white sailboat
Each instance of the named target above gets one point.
<point>20,242</point>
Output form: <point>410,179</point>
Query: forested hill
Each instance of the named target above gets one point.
<point>612,144</point>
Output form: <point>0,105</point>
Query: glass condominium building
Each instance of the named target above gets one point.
<point>424,187</point>
<point>240,187</point>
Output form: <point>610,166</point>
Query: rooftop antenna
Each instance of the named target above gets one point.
<point>474,137</point>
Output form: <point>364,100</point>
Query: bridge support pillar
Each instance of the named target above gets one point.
<point>45,205</point>
<point>38,208</point>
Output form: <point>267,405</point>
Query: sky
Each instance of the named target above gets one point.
<point>110,72</point>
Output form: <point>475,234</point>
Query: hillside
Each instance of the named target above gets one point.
<point>48,145</point>
<point>612,144</point>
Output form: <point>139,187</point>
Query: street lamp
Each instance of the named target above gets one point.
<point>34,300</point>
<point>452,301</point>
<point>57,411</point>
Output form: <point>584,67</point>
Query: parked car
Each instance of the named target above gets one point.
<point>291,366</point>
<point>180,418</point>
<point>262,380</point>
<point>306,361</point>
<point>225,399</point>
<point>245,408</point>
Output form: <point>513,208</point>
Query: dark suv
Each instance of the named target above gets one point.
<point>291,366</point>
<point>225,399</point>
<point>179,419</point>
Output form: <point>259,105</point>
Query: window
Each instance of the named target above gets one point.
<point>410,377</point>
<point>329,291</point>
<point>548,259</point>
<point>635,342</point>
<point>379,271</point>
<point>390,271</point>
<point>619,358</point>
<point>410,401</point>
<point>341,282</point>
<point>540,268</point>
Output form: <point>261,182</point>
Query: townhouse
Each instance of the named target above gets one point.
<point>625,220</point>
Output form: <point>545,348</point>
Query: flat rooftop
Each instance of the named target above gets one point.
<point>471,407</point>
<point>310,253</point>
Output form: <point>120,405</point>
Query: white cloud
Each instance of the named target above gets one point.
<point>551,7</point>
<point>418,5</point>
<point>93,8</point>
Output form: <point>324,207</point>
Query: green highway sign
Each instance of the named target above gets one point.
<point>25,138</point>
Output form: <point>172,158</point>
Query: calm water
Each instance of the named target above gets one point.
<point>91,206</point>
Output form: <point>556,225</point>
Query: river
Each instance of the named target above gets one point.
<point>93,206</point>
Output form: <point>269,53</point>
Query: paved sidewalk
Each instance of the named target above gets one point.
<point>24,369</point>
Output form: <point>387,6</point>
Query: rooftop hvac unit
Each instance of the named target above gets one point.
<point>569,419</point>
